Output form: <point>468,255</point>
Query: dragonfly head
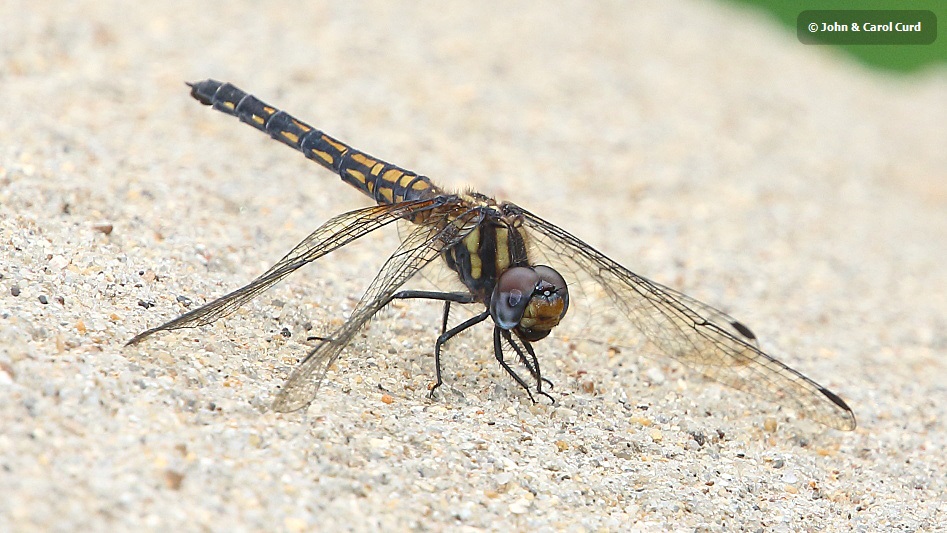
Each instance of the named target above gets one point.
<point>531,300</point>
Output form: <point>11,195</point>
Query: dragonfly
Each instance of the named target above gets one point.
<point>494,249</point>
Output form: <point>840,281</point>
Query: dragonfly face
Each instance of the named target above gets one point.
<point>488,245</point>
<point>529,300</point>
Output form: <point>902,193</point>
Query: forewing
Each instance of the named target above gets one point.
<point>335,233</point>
<point>690,331</point>
<point>418,248</point>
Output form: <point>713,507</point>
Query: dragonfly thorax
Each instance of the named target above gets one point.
<point>492,260</point>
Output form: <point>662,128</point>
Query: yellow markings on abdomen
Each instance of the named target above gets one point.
<point>323,155</point>
<point>335,144</point>
<point>357,175</point>
<point>291,137</point>
<point>376,170</point>
<point>393,176</point>
<point>396,178</point>
<point>362,159</point>
<point>257,119</point>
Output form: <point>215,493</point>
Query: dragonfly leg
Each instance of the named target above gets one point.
<point>535,365</point>
<point>444,337</point>
<point>531,363</point>
<point>498,352</point>
<point>448,298</point>
<point>457,297</point>
<point>446,316</point>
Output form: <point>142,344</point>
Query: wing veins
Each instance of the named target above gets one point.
<point>714,349</point>
<point>421,246</point>
<point>333,234</point>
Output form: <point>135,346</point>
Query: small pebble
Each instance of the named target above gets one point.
<point>58,262</point>
<point>8,371</point>
<point>173,479</point>
<point>655,375</point>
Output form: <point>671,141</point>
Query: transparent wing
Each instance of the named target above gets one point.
<point>692,332</point>
<point>335,233</point>
<point>418,248</point>
<point>437,275</point>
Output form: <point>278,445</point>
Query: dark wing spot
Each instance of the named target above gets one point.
<point>835,399</point>
<point>745,331</point>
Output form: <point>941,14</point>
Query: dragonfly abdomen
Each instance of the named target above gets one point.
<point>383,182</point>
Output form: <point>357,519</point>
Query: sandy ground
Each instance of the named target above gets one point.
<point>697,144</point>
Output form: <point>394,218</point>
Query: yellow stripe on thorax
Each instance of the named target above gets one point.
<point>503,249</point>
<point>472,242</point>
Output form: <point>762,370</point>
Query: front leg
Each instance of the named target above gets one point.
<point>498,352</point>
<point>531,363</point>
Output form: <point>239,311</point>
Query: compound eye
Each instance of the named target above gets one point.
<point>511,296</point>
<point>552,287</point>
<point>546,308</point>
